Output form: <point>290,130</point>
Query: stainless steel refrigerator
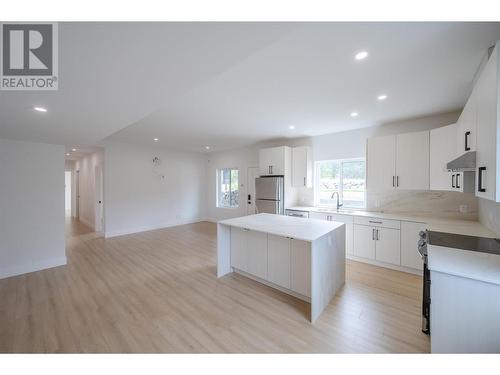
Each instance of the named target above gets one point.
<point>269,195</point>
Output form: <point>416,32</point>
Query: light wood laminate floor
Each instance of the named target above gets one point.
<point>157,292</point>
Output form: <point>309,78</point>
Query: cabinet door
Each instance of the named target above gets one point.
<point>388,245</point>
<point>301,167</point>
<point>319,215</point>
<point>487,128</point>
<point>272,161</point>
<point>443,149</point>
<point>364,241</point>
<point>410,256</point>
<point>238,249</point>
<point>265,161</point>
<point>278,255</point>
<point>412,161</point>
<point>467,126</point>
<point>300,267</point>
<point>257,253</point>
<point>381,162</point>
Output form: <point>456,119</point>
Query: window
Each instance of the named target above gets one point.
<point>227,188</point>
<point>346,177</point>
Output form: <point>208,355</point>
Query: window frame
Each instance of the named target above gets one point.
<point>218,185</point>
<point>341,172</point>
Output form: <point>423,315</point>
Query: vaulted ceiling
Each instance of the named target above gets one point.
<point>227,85</point>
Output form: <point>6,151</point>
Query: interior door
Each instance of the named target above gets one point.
<point>98,197</point>
<point>77,194</point>
<point>412,161</point>
<point>252,173</point>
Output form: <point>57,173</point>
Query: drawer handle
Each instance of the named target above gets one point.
<point>375,222</point>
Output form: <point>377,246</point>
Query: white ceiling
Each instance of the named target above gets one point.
<point>231,84</point>
<point>80,152</point>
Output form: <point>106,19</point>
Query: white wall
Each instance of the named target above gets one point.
<point>350,144</point>
<point>240,159</point>
<point>31,207</point>
<point>137,198</point>
<point>87,190</point>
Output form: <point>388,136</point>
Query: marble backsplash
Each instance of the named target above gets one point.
<point>443,204</point>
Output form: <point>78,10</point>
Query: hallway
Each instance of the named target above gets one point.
<point>75,227</point>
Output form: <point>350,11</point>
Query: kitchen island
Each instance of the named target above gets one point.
<point>301,257</point>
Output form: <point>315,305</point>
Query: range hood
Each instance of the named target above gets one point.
<point>465,162</point>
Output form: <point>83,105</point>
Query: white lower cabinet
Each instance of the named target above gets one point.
<point>375,243</point>
<point>257,253</point>
<point>341,218</point>
<point>283,261</point>
<point>387,247</point>
<point>300,267</point>
<point>410,256</point>
<point>364,241</point>
<point>239,249</point>
<point>278,256</point>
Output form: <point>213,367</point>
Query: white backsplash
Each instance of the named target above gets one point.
<point>489,215</point>
<point>443,204</point>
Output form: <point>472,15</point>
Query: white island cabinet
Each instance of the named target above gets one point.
<point>301,257</point>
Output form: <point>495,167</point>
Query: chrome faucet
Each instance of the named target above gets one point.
<point>338,198</point>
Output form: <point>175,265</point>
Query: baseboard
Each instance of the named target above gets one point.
<point>385,265</point>
<point>146,228</point>
<point>32,267</point>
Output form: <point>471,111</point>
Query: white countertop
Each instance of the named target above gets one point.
<point>464,263</point>
<point>286,226</point>
<point>466,227</point>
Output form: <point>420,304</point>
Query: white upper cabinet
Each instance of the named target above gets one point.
<point>302,167</point>
<point>381,162</point>
<point>400,161</point>
<point>487,147</point>
<point>466,127</point>
<point>272,161</point>
<point>442,151</point>
<point>412,161</point>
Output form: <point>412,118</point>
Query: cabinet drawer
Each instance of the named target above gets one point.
<point>375,222</point>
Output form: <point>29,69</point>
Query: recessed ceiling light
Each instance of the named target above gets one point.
<point>207,147</point>
<point>155,139</point>
<point>291,127</point>
<point>382,97</point>
<point>354,114</point>
<point>73,149</point>
<point>40,109</point>
<point>361,55</point>
<point>67,154</point>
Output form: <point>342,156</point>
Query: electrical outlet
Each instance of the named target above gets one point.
<point>463,208</point>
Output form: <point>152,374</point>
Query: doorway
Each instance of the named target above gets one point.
<point>252,174</point>
<point>98,198</point>
<point>67,193</point>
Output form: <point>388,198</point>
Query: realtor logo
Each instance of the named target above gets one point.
<point>29,56</point>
